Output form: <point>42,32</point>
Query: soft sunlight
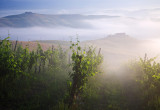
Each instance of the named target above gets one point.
<point>79,54</point>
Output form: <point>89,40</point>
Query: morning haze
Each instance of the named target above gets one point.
<point>79,54</point>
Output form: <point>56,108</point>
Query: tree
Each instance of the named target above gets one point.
<point>85,63</point>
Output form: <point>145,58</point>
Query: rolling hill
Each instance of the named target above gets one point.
<point>117,49</point>
<point>120,48</point>
<point>29,19</point>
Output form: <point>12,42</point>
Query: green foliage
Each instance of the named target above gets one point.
<point>149,79</point>
<point>37,80</point>
<point>84,64</point>
<point>7,59</point>
<point>31,80</point>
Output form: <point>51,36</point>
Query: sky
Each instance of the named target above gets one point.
<point>72,6</point>
<point>138,18</point>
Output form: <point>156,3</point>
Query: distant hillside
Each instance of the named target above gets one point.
<point>33,45</point>
<point>57,42</point>
<point>120,48</point>
<point>118,40</point>
<point>116,49</point>
<point>29,19</point>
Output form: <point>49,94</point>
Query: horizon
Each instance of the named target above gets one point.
<point>75,6</point>
<point>80,54</point>
<point>138,18</point>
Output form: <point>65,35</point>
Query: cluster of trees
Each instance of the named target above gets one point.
<point>49,80</point>
<point>40,79</point>
<point>31,79</point>
<point>135,87</point>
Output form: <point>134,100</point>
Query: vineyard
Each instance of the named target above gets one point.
<point>74,79</point>
<point>30,79</point>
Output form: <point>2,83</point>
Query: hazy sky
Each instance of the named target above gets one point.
<point>138,18</point>
<point>73,6</point>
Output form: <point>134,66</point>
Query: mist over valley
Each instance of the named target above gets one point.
<point>119,37</point>
<point>79,54</point>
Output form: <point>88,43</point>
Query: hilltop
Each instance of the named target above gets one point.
<point>29,19</point>
<point>116,49</point>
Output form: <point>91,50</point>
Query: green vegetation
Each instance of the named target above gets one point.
<point>84,64</point>
<point>50,80</point>
<point>31,80</point>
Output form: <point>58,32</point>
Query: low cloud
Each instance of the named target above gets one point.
<point>143,29</point>
<point>143,24</point>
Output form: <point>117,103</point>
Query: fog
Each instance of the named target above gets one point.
<point>141,28</point>
<point>60,33</point>
<point>143,31</point>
